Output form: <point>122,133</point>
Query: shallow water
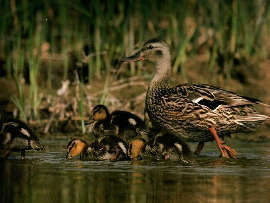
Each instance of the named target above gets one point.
<point>48,177</point>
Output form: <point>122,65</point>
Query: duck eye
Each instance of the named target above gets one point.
<point>150,47</point>
<point>158,53</point>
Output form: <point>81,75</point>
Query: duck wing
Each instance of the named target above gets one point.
<point>213,97</point>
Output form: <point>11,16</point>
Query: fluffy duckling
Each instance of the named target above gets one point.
<point>116,146</point>
<point>93,151</point>
<point>109,148</point>
<point>100,121</point>
<point>162,146</point>
<point>120,123</point>
<point>16,136</point>
<point>167,147</point>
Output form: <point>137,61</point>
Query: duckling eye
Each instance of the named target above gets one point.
<point>150,47</point>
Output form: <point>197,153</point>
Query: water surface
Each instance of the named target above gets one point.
<point>48,177</point>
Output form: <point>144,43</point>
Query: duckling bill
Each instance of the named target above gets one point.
<point>194,112</point>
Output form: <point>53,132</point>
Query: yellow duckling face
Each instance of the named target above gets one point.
<point>74,148</point>
<point>136,147</point>
<point>100,113</point>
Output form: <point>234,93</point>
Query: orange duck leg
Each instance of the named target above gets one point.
<point>225,150</point>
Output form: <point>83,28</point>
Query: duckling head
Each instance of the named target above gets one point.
<point>31,140</point>
<point>35,145</point>
<point>154,50</point>
<point>75,147</point>
<point>136,147</point>
<point>100,113</point>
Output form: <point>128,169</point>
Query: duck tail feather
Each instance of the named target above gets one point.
<point>252,118</point>
<point>263,104</point>
<point>256,101</point>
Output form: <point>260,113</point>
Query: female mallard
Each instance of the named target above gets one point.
<point>16,136</point>
<point>109,148</point>
<point>197,113</point>
<point>119,123</point>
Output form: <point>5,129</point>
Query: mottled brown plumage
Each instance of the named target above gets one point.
<point>196,113</point>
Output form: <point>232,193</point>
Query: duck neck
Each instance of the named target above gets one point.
<point>162,75</point>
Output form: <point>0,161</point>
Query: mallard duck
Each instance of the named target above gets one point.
<point>109,148</point>
<point>194,112</point>
<point>16,136</point>
<point>119,123</point>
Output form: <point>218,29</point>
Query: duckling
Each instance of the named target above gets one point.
<point>16,136</point>
<point>116,146</point>
<point>167,147</point>
<point>194,112</point>
<point>109,148</point>
<point>126,124</point>
<point>162,146</point>
<point>91,152</point>
<point>100,121</point>
<point>119,123</point>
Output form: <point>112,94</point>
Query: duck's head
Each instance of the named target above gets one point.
<point>154,50</point>
<point>75,147</point>
<point>100,113</point>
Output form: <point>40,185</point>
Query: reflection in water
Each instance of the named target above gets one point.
<point>48,177</point>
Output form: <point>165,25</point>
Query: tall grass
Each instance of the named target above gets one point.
<point>226,29</point>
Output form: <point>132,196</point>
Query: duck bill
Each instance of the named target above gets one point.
<point>133,58</point>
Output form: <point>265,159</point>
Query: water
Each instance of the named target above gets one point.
<point>48,177</point>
